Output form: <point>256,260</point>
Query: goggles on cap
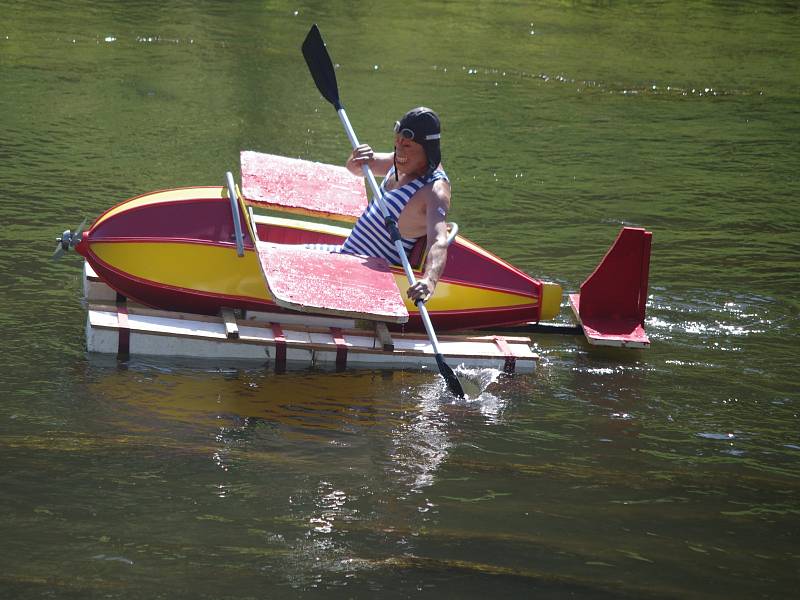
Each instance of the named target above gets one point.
<point>409,134</point>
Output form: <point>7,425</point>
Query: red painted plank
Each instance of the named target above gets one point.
<point>329,283</point>
<point>302,186</point>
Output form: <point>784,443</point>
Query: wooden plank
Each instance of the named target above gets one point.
<point>336,284</point>
<point>383,335</point>
<point>252,318</point>
<point>302,187</point>
<point>94,288</point>
<point>231,328</point>
<point>304,320</point>
<point>205,325</point>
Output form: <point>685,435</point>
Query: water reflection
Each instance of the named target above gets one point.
<point>236,415</point>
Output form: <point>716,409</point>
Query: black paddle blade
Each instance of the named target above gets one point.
<point>452,381</point>
<point>321,67</point>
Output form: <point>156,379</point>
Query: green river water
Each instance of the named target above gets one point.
<point>667,473</point>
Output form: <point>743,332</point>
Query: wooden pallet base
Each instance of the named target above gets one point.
<point>283,339</point>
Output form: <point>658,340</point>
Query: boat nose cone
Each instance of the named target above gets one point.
<point>82,247</point>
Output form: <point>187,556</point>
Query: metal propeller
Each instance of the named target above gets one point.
<point>68,239</point>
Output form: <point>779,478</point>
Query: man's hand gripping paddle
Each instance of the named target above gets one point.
<point>321,67</point>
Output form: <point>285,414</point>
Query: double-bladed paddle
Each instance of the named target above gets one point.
<point>321,67</point>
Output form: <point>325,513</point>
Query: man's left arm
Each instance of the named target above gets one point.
<point>437,207</point>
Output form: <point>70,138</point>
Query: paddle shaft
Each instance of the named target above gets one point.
<point>378,197</point>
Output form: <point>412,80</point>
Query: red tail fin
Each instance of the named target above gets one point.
<point>612,301</point>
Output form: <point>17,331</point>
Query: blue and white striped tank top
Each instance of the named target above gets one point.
<point>370,236</point>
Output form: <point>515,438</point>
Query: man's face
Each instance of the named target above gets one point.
<point>409,155</point>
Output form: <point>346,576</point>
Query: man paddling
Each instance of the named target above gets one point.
<point>417,194</point>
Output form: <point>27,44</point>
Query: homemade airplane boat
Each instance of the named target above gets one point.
<point>196,272</point>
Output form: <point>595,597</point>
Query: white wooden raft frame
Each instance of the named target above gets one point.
<point>309,340</point>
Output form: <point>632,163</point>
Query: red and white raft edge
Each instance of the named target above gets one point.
<point>282,339</point>
<point>612,301</point>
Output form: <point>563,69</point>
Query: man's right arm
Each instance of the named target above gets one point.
<point>379,162</point>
